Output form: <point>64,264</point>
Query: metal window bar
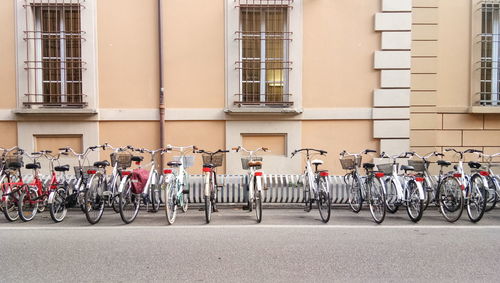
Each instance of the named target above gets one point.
<point>54,62</point>
<point>488,64</point>
<point>264,63</point>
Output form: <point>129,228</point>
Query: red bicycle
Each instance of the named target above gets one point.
<point>11,181</point>
<point>33,196</point>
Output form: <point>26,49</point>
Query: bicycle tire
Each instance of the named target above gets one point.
<point>115,198</point>
<point>42,205</point>
<point>10,207</point>
<point>391,196</point>
<point>57,207</point>
<point>376,200</point>
<point>428,196</point>
<point>324,200</point>
<point>208,209</point>
<point>491,194</point>
<point>27,206</point>
<point>258,206</point>
<point>129,203</point>
<point>93,199</point>
<point>415,205</point>
<point>355,197</point>
<point>155,198</point>
<point>450,199</point>
<point>185,202</point>
<point>476,200</point>
<point>308,200</point>
<point>170,202</point>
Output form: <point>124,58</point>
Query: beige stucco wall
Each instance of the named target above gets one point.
<point>128,54</point>
<point>194,53</point>
<point>8,59</point>
<point>441,81</point>
<point>339,42</point>
<point>335,136</point>
<point>206,135</point>
<point>8,138</point>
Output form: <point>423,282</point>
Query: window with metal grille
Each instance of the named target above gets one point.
<point>264,51</point>
<point>490,53</point>
<point>54,53</point>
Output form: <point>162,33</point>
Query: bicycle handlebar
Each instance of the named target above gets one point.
<point>366,151</point>
<point>320,151</point>
<point>237,149</point>
<point>181,149</point>
<point>212,152</point>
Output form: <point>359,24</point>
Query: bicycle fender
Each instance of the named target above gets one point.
<point>122,184</point>
<point>206,182</point>
<point>420,190</point>
<point>258,183</point>
<point>51,197</point>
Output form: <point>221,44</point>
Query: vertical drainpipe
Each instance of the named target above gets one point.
<point>162,90</point>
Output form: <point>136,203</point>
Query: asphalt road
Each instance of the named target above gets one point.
<point>288,246</point>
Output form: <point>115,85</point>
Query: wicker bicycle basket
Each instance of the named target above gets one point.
<point>418,165</point>
<point>13,158</point>
<point>187,161</point>
<point>245,160</point>
<point>350,162</point>
<point>84,170</point>
<point>216,159</point>
<point>386,168</point>
<point>124,159</point>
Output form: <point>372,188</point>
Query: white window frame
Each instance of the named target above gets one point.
<point>232,75</point>
<point>88,55</point>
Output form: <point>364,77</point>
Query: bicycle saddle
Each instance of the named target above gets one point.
<point>15,165</point>
<point>474,165</point>
<point>208,165</point>
<point>137,158</point>
<point>101,164</point>
<point>174,163</point>
<point>62,168</point>
<point>33,166</point>
<point>443,163</point>
<point>254,163</point>
<point>317,162</point>
<point>368,165</point>
<point>407,168</point>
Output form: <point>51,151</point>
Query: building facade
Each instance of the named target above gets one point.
<point>391,75</point>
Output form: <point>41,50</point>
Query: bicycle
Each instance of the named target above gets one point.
<point>404,189</point>
<point>175,182</point>
<point>316,184</point>
<point>493,188</point>
<point>211,160</point>
<point>130,196</point>
<point>33,196</point>
<point>252,163</point>
<point>360,188</point>
<point>11,181</point>
<point>56,187</point>
<point>103,190</point>
<point>470,189</point>
<point>66,196</point>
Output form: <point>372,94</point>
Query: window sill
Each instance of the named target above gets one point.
<point>260,111</point>
<point>484,109</point>
<point>56,111</point>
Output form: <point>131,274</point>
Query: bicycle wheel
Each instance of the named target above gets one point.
<point>491,194</point>
<point>93,199</point>
<point>308,200</point>
<point>428,195</point>
<point>324,200</point>
<point>42,204</point>
<point>9,205</point>
<point>258,206</point>
<point>451,199</point>
<point>185,202</point>
<point>170,202</point>
<point>355,197</point>
<point>391,196</point>
<point>154,192</point>
<point>28,203</point>
<point>57,207</point>
<point>476,201</point>
<point>376,200</point>
<point>415,206</point>
<point>129,203</point>
<point>115,198</point>
<point>208,209</point>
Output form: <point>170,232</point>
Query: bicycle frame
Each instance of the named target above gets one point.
<point>402,187</point>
